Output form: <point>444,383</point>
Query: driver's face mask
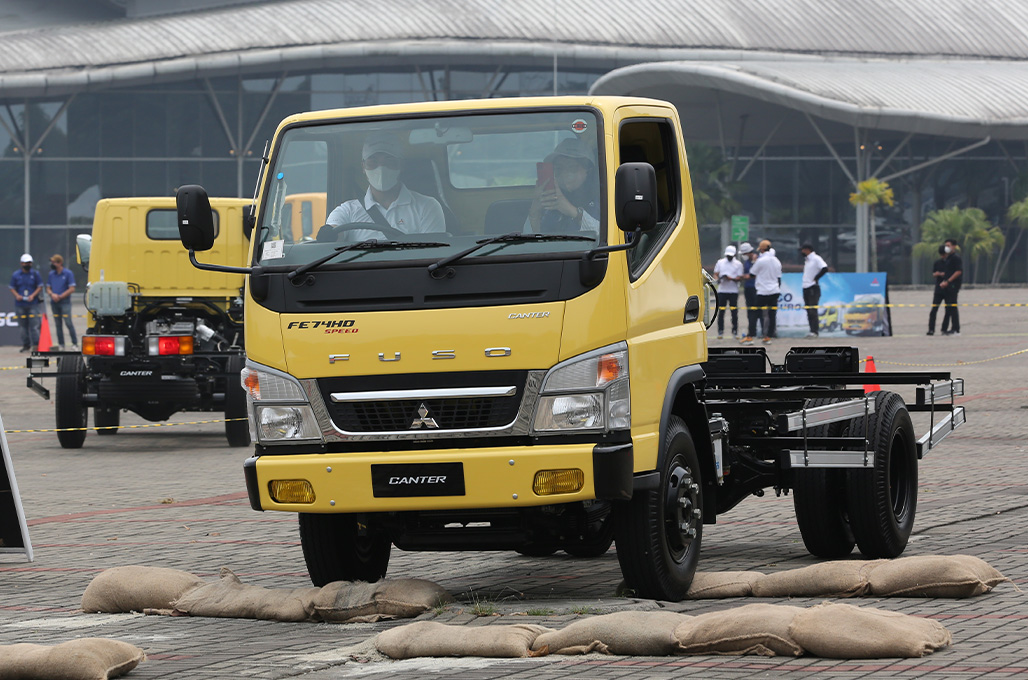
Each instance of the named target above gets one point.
<point>382,171</point>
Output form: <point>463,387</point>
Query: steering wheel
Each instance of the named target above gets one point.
<point>329,233</point>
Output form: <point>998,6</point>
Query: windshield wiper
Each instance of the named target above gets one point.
<point>369,244</point>
<point>513,237</point>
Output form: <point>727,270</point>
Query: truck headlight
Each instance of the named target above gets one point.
<point>588,392</point>
<point>277,423</point>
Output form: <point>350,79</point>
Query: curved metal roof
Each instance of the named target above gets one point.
<point>943,97</point>
<point>299,34</point>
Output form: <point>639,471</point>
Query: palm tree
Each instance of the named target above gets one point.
<point>974,234</point>
<point>712,184</point>
<point>1017,215</point>
<point>872,192</point>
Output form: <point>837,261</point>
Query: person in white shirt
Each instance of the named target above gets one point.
<point>814,267</point>
<point>388,201</point>
<point>728,271</point>
<point>767,273</point>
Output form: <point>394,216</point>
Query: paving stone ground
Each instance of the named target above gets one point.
<point>174,497</point>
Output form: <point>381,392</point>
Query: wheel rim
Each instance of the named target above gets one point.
<point>899,476</point>
<point>681,510</point>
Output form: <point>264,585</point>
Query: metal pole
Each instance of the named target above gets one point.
<point>28,177</point>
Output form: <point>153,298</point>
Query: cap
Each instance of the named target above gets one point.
<point>745,249</point>
<point>730,250</point>
<point>572,148</point>
<point>26,258</point>
<point>765,242</point>
<point>381,142</point>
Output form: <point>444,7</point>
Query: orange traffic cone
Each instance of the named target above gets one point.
<point>45,341</point>
<point>870,368</point>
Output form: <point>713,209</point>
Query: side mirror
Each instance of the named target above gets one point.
<point>83,244</point>
<point>710,308</point>
<point>635,196</point>
<point>195,220</point>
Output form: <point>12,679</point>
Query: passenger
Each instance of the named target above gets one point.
<point>767,271</point>
<point>388,201</point>
<point>570,201</point>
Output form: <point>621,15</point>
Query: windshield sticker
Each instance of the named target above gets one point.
<point>579,126</point>
<point>274,250</point>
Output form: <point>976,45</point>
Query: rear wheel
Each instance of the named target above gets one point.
<point>883,500</point>
<point>342,548</point>
<point>819,498</point>
<point>106,420</point>
<point>237,429</point>
<point>71,412</point>
<point>658,532</point>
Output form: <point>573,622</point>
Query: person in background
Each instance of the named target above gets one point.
<point>938,272</point>
<point>60,284</point>
<point>767,271</point>
<point>749,289</point>
<point>950,284</point>
<point>26,286</point>
<point>728,271</point>
<point>814,267</point>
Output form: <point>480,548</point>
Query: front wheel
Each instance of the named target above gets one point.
<point>70,411</point>
<point>595,533</point>
<point>658,532</point>
<point>342,548</point>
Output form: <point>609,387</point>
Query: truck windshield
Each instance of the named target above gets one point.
<point>451,180</point>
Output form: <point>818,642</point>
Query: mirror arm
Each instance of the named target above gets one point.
<point>592,254</point>
<point>217,267</point>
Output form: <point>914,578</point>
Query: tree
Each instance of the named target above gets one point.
<point>712,184</point>
<point>1017,215</point>
<point>872,192</point>
<point>969,227</point>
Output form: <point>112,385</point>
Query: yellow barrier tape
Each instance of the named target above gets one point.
<point>959,363</point>
<point>124,427</point>
<point>891,304</point>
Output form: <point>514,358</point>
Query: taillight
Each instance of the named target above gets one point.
<point>170,344</point>
<point>103,345</point>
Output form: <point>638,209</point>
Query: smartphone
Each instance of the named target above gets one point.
<point>544,175</point>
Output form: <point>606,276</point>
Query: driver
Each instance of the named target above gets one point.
<point>395,204</point>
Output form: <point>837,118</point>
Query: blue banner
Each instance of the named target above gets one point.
<point>851,304</point>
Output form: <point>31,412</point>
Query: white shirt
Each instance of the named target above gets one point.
<point>411,213</point>
<point>767,270</point>
<point>812,265</point>
<point>730,268</point>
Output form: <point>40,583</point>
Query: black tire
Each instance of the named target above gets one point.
<point>335,551</point>
<point>819,498</point>
<point>596,535</point>
<point>108,418</point>
<point>69,408</point>
<point>657,555</point>
<point>236,431</point>
<point>883,501</point>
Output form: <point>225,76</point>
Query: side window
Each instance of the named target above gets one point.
<point>162,224</point>
<point>653,142</point>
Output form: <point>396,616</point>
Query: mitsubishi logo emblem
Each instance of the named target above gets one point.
<point>423,420</point>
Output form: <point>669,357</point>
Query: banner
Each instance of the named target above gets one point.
<point>14,532</point>
<point>851,304</point>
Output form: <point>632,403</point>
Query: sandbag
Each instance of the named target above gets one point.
<point>631,633</point>
<point>841,578</point>
<point>842,631</point>
<point>135,588</point>
<point>761,629</point>
<point>83,659</point>
<point>718,584</point>
<point>231,598</point>
<point>934,576</point>
<point>429,638</point>
<point>399,598</point>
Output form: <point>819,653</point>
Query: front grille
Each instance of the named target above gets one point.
<point>451,413</point>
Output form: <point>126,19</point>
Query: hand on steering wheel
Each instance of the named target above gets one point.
<point>330,232</point>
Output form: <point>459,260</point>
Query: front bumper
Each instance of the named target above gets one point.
<point>500,477</point>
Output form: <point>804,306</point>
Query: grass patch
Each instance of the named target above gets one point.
<point>539,612</point>
<point>583,610</point>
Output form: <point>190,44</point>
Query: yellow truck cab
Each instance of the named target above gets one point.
<point>162,336</point>
<point>497,339</point>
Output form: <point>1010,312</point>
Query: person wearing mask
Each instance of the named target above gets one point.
<point>938,272</point>
<point>26,286</point>
<point>950,285</point>
<point>749,289</point>
<point>388,201</point>
<point>814,267</point>
<point>569,202</point>
<point>728,271</point>
<point>767,272</point>
<point>60,284</point>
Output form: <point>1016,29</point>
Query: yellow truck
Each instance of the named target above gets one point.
<point>497,341</point>
<point>162,336</point>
